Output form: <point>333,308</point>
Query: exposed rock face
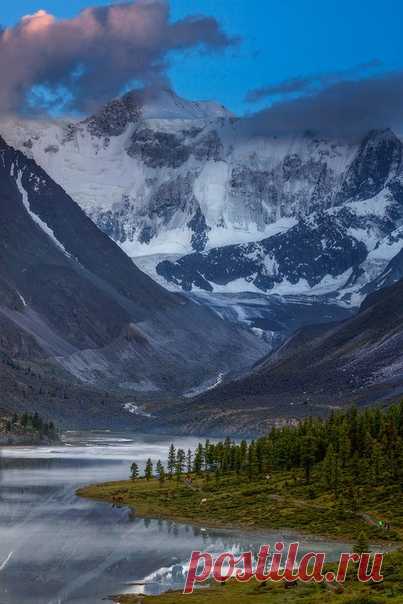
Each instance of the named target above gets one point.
<point>200,230</point>
<point>343,246</point>
<point>158,149</point>
<point>379,157</point>
<point>75,311</point>
<point>303,219</point>
<point>339,360</point>
<point>113,119</point>
<point>208,147</point>
<point>171,197</point>
<point>309,251</point>
<point>298,215</point>
<point>116,162</point>
<point>320,368</point>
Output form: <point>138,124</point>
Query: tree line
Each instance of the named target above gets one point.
<point>346,449</point>
<point>31,422</point>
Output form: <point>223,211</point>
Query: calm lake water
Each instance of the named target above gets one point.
<point>57,548</point>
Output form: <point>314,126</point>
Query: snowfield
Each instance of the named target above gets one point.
<point>172,181</point>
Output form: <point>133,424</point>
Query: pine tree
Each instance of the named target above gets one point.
<point>148,472</point>
<point>134,471</point>
<point>198,459</point>
<point>259,456</point>
<point>377,463</point>
<point>243,451</point>
<point>208,456</point>
<point>362,545</point>
<point>307,456</point>
<point>36,422</point>
<point>348,448</point>
<point>51,430</point>
<point>171,461</point>
<point>336,476</point>
<point>341,508</point>
<point>352,495</point>
<point>180,463</point>
<point>160,472</point>
<point>251,460</point>
<point>344,447</point>
<point>189,459</point>
<point>237,460</point>
<point>159,467</point>
<point>330,470</point>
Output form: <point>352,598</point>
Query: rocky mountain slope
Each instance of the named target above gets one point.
<point>132,166</point>
<point>273,231</point>
<point>319,368</point>
<point>337,248</point>
<point>77,315</point>
<point>207,207</point>
<point>160,175</point>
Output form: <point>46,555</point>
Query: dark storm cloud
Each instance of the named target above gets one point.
<point>346,109</point>
<point>95,54</point>
<point>310,83</point>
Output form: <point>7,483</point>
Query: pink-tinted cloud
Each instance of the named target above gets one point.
<point>98,52</point>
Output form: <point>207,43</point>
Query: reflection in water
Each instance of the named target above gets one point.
<point>57,548</point>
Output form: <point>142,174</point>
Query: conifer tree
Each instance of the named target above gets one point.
<point>328,467</point>
<point>344,446</point>
<point>243,450</point>
<point>307,456</point>
<point>347,453</point>
<point>148,472</point>
<point>134,471</point>
<point>180,463</point>
<point>251,460</point>
<point>362,545</point>
<point>171,461</point>
<point>189,461</point>
<point>198,459</point>
<point>160,472</point>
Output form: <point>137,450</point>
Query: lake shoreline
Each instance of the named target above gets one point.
<point>17,442</point>
<point>144,509</point>
<point>255,530</point>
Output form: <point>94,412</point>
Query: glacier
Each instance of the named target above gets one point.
<point>205,206</point>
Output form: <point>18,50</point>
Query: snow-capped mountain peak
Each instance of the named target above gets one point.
<point>165,176</point>
<point>166,104</point>
<point>161,104</point>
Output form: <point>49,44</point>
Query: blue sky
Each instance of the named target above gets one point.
<point>281,39</point>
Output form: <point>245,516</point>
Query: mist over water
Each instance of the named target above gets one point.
<point>56,548</point>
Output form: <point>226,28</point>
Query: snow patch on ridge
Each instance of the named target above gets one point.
<point>134,409</point>
<point>21,297</point>
<point>168,105</point>
<point>42,225</point>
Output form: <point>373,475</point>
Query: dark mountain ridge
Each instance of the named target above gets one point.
<point>322,367</point>
<point>74,303</point>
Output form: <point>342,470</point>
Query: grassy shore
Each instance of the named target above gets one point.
<point>282,502</point>
<point>352,592</point>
